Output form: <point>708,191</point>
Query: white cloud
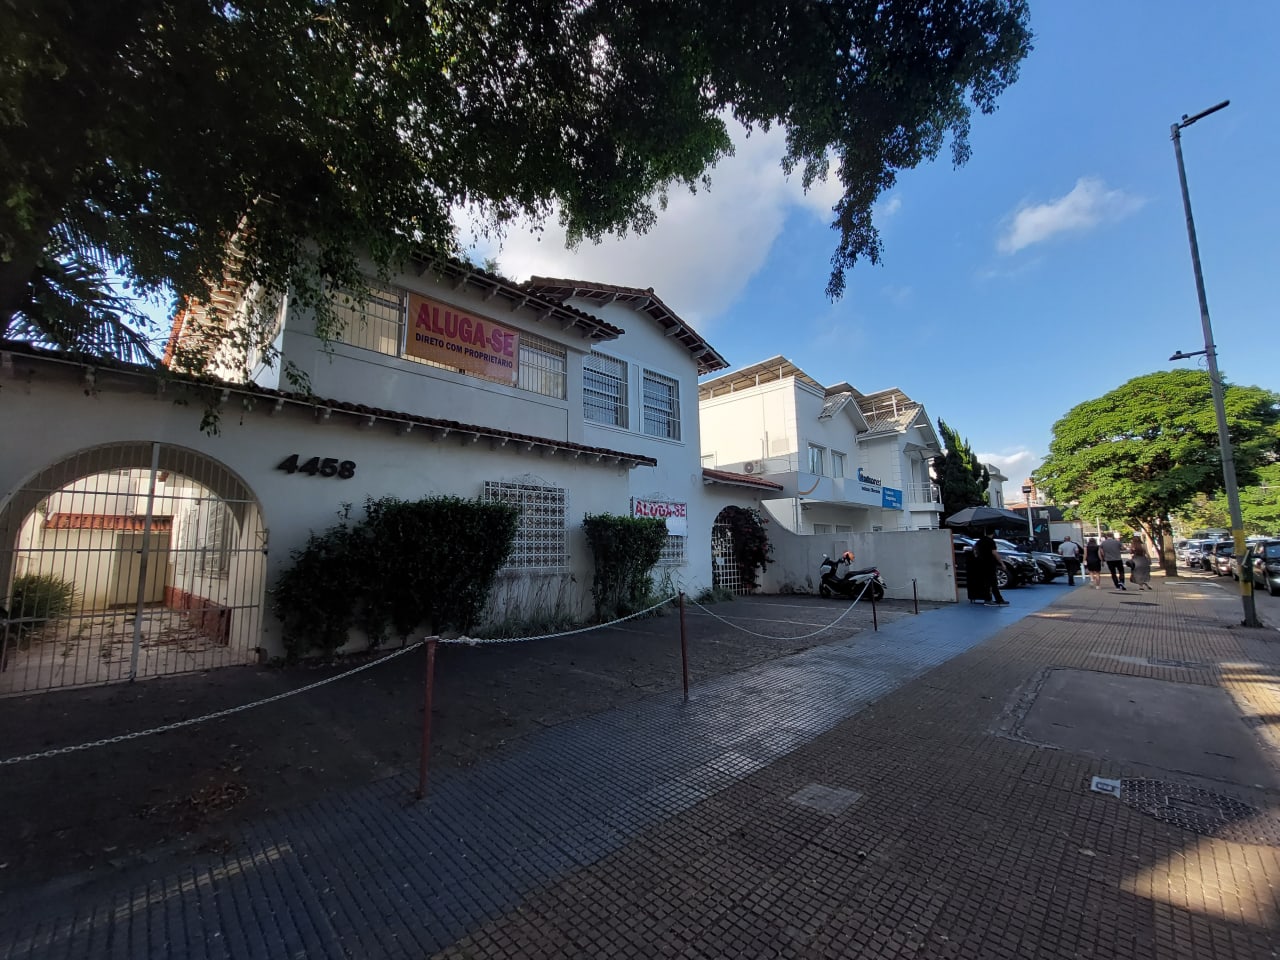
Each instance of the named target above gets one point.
<point>705,246</point>
<point>889,206</point>
<point>1088,204</point>
<point>1017,464</point>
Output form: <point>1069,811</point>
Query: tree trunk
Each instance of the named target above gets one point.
<point>1161,534</point>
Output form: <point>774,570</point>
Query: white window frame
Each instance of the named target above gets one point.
<point>820,461</point>
<point>661,420</point>
<point>542,367</point>
<point>375,323</point>
<point>542,532</point>
<point>838,462</point>
<point>822,528</point>
<point>611,408</point>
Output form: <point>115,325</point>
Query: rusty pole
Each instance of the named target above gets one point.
<point>915,597</point>
<point>684,649</point>
<point>428,683</point>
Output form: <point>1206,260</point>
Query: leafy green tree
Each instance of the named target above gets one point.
<point>278,142</point>
<point>960,477</point>
<point>1144,450</point>
<point>1259,506</point>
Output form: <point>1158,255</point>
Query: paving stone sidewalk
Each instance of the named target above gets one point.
<point>872,797</point>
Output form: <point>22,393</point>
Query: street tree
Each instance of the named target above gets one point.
<point>177,143</point>
<point>1143,451</point>
<point>960,477</point>
<point>1259,506</point>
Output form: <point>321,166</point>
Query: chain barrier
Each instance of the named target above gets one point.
<point>217,714</point>
<point>483,641</point>
<point>803,636</point>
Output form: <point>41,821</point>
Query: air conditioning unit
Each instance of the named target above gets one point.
<point>753,466</point>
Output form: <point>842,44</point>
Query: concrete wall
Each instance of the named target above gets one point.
<point>755,424</point>
<point>900,555</point>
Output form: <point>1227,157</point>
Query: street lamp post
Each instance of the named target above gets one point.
<point>1215,383</point>
<point>1031,529</point>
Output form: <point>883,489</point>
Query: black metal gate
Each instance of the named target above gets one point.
<point>128,560</point>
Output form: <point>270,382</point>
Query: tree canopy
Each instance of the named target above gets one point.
<point>961,478</point>
<point>1144,450</point>
<point>141,138</point>
<point>1259,506</point>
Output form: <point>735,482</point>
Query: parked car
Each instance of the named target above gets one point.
<point>1018,569</point>
<point>1049,566</point>
<point>1218,557</point>
<point>1196,551</point>
<point>1180,551</point>
<point>1264,564</point>
<point>1237,562</point>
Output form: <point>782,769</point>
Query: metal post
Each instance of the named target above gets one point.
<point>684,649</point>
<point>1215,383</point>
<point>1031,530</point>
<point>875,619</point>
<point>915,597</point>
<point>428,686</point>
<point>143,563</point>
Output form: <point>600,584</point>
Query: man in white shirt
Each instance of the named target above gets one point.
<point>1070,553</point>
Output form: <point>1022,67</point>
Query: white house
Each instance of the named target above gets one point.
<point>848,462</point>
<point>565,398</point>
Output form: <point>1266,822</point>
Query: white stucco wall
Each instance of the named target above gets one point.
<point>54,406</point>
<point>924,555</point>
<point>756,424</point>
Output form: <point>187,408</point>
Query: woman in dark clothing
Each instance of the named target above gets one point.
<point>1093,562</point>
<point>987,559</point>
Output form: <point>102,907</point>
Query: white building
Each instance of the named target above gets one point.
<point>848,462</point>
<point>563,397</point>
<point>995,486</point>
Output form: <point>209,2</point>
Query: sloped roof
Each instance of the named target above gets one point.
<point>323,407</point>
<point>766,371</point>
<point>644,301</point>
<point>737,479</point>
<point>447,270</point>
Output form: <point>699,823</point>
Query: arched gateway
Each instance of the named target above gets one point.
<point>128,560</point>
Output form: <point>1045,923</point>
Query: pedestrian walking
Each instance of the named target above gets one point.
<point>1069,550</point>
<point>988,560</point>
<point>1140,562</point>
<point>1113,554</point>
<point>1093,562</point>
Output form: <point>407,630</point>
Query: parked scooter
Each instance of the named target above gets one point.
<point>853,584</point>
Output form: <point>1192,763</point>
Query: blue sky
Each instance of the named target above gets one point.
<point>1048,270</point>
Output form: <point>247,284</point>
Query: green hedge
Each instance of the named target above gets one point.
<point>410,566</point>
<point>625,550</point>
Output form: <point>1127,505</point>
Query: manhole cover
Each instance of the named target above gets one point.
<point>1202,811</point>
<point>1170,662</point>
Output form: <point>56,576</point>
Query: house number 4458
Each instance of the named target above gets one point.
<point>328,467</point>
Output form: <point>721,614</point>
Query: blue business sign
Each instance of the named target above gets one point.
<point>892,499</point>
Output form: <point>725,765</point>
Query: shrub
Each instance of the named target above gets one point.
<point>625,549</point>
<point>37,598</point>
<point>409,565</point>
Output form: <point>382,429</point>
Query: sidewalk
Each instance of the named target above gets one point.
<point>921,791</point>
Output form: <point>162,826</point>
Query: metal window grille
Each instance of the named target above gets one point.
<point>844,528</point>
<point>672,551</point>
<point>661,406</point>
<point>822,528</point>
<point>374,321</point>
<point>604,390</point>
<point>542,367</point>
<point>542,535</point>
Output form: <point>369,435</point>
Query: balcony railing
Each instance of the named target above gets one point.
<point>923,493</point>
